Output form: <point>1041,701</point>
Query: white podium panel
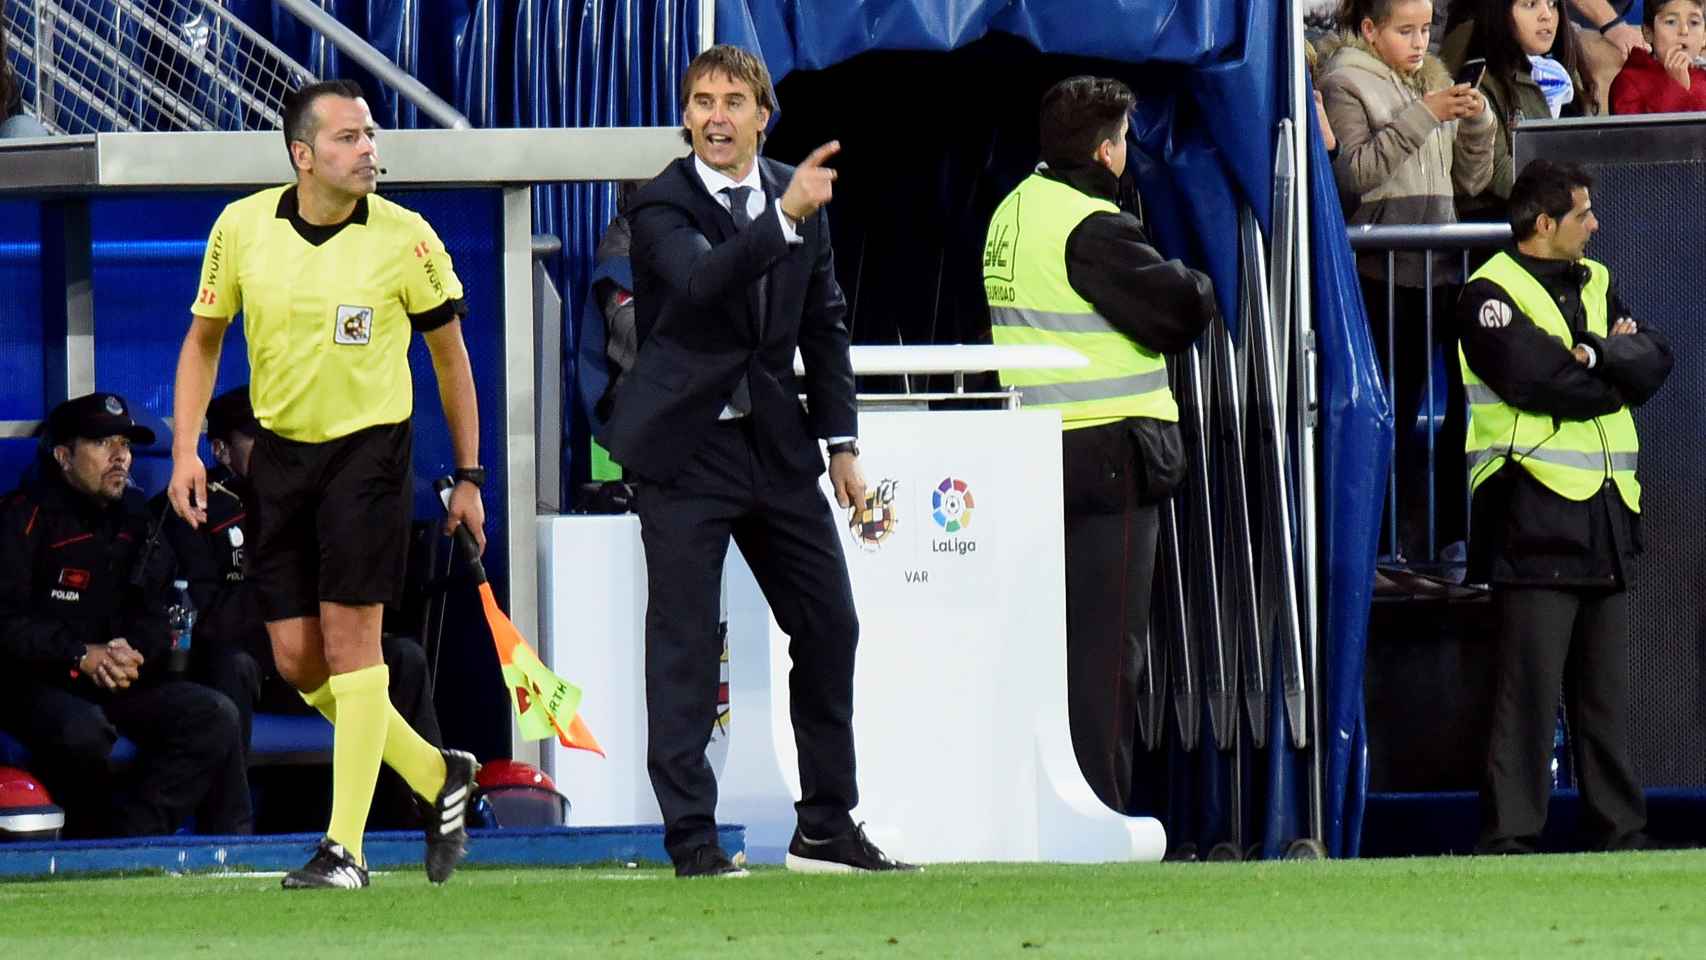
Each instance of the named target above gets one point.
<point>960,687</point>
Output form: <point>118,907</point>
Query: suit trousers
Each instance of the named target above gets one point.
<point>783,527</point>
<point>189,758</point>
<point>1577,640</point>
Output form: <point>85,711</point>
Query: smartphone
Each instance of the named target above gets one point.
<point>1471,72</point>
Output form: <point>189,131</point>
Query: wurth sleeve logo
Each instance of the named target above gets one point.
<point>422,249</point>
<point>207,297</point>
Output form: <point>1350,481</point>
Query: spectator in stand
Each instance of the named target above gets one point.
<point>1408,139</point>
<point>14,122</point>
<point>1534,72</point>
<point>1608,39</point>
<point>83,654</point>
<point>1668,80</point>
<point>1313,60</point>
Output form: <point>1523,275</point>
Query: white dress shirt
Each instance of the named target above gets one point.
<point>716,182</point>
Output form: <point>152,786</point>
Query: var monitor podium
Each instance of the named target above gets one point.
<point>960,718</point>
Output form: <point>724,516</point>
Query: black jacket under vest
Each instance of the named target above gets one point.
<point>1523,534</point>
<point>1161,305</point>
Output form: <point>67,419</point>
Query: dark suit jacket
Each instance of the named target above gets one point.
<point>696,282</point>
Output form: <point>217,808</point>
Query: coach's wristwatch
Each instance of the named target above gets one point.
<point>473,475</point>
<point>844,446</point>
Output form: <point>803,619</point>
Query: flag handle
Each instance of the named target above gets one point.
<point>464,540</point>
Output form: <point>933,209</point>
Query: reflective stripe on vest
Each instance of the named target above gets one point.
<point>1572,458</point>
<point>1031,302</point>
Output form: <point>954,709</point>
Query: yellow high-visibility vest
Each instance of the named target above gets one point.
<point>1572,458</point>
<point>1032,302</point>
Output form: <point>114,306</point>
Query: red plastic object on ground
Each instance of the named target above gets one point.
<point>26,810</point>
<point>513,794</point>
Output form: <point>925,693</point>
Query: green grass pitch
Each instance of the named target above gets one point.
<point>1644,906</point>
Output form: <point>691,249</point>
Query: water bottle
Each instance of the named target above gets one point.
<point>180,618</point>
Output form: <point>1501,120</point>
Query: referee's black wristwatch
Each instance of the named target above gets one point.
<point>473,475</point>
<point>845,446</point>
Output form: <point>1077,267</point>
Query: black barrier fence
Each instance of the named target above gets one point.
<point>1649,173</point>
<point>1419,365</point>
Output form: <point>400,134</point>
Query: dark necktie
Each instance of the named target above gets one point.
<point>741,399</point>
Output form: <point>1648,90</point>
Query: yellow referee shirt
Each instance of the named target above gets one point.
<point>328,311</point>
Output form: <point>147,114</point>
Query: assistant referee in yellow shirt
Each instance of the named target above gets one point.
<point>332,281</point>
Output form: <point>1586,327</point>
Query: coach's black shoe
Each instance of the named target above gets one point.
<point>708,861</point>
<point>446,829</point>
<point>331,866</point>
<point>852,852</point>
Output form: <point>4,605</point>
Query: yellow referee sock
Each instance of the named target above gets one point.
<point>418,762</point>
<point>358,743</point>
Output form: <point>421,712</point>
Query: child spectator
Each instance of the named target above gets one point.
<point>1409,139</point>
<point>1534,72</point>
<point>1668,80</point>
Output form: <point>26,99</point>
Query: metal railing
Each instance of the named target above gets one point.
<point>1458,239</point>
<point>94,66</point>
<point>120,65</point>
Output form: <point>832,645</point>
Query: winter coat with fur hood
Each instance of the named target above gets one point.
<point>1397,162</point>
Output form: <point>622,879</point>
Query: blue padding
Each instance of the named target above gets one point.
<point>385,850</point>
<point>14,754</point>
<point>288,733</point>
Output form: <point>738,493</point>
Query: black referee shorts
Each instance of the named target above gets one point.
<point>331,520</point>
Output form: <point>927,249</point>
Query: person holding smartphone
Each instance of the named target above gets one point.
<point>1667,80</point>
<point>1534,71</point>
<point>1410,138</point>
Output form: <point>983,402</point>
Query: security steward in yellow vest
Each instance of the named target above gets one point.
<point>1064,265</point>
<point>1552,364</point>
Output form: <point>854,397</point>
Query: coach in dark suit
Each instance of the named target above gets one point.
<point>732,271</point>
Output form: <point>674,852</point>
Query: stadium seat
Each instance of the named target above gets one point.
<point>15,754</point>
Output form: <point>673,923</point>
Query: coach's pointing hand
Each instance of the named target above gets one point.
<point>813,184</point>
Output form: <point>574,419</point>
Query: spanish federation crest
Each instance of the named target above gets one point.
<point>872,522</point>
<point>354,325</point>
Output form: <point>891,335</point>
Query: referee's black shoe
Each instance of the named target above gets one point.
<point>851,852</point>
<point>446,829</point>
<point>330,867</point>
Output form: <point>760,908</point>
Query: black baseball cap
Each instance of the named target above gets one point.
<point>230,412</point>
<point>95,416</point>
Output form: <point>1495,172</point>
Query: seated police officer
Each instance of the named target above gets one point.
<point>231,651</point>
<point>82,656</point>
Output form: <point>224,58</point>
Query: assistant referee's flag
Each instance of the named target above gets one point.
<point>545,704</point>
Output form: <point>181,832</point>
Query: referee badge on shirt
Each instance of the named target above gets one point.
<point>355,325</point>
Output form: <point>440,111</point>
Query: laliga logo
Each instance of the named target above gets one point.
<point>951,505</point>
<point>873,522</point>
